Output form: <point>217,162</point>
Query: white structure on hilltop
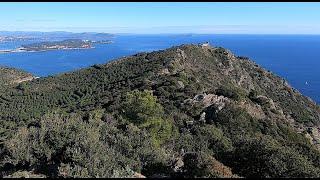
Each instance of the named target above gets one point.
<point>206,44</point>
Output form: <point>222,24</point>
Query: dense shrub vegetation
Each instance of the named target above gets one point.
<point>142,114</point>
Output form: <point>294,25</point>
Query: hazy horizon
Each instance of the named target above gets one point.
<point>175,33</point>
<point>163,18</point>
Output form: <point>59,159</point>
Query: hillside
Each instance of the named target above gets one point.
<point>187,111</point>
<point>11,76</point>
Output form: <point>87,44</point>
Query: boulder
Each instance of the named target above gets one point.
<point>210,99</point>
<point>138,175</point>
<point>180,85</point>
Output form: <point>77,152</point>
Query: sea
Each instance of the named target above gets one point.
<point>296,58</point>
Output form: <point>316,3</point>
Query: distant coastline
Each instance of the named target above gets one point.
<point>20,50</point>
<point>71,44</point>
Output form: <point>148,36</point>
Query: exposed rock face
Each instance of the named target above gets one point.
<point>180,84</point>
<point>209,99</point>
<point>25,174</point>
<point>181,54</point>
<point>265,101</point>
<point>214,167</point>
<point>164,71</point>
<point>29,78</point>
<point>313,133</point>
<point>203,117</point>
<point>138,175</point>
<point>178,165</point>
<point>222,170</point>
<point>218,101</point>
<point>254,110</point>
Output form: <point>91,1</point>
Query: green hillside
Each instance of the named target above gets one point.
<point>187,111</point>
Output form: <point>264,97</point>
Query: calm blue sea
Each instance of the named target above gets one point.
<point>294,57</point>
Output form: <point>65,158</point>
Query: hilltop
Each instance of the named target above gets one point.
<point>187,111</point>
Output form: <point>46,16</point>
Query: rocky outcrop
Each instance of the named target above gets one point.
<point>254,110</point>
<point>190,161</point>
<point>209,99</point>
<point>221,170</point>
<point>180,84</point>
<point>178,165</point>
<point>25,174</point>
<point>313,134</point>
<point>20,80</point>
<point>164,71</point>
<point>138,175</point>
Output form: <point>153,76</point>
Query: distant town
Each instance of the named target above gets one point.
<point>14,38</point>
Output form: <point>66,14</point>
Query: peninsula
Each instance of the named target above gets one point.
<point>57,45</point>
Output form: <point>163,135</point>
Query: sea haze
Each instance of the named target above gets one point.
<point>293,57</point>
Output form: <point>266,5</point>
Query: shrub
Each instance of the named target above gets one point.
<point>140,106</point>
<point>161,130</point>
<point>217,141</point>
<point>232,92</point>
<point>142,109</point>
<point>199,165</point>
<point>74,145</point>
<point>265,157</point>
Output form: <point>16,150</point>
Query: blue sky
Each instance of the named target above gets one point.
<point>149,17</point>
